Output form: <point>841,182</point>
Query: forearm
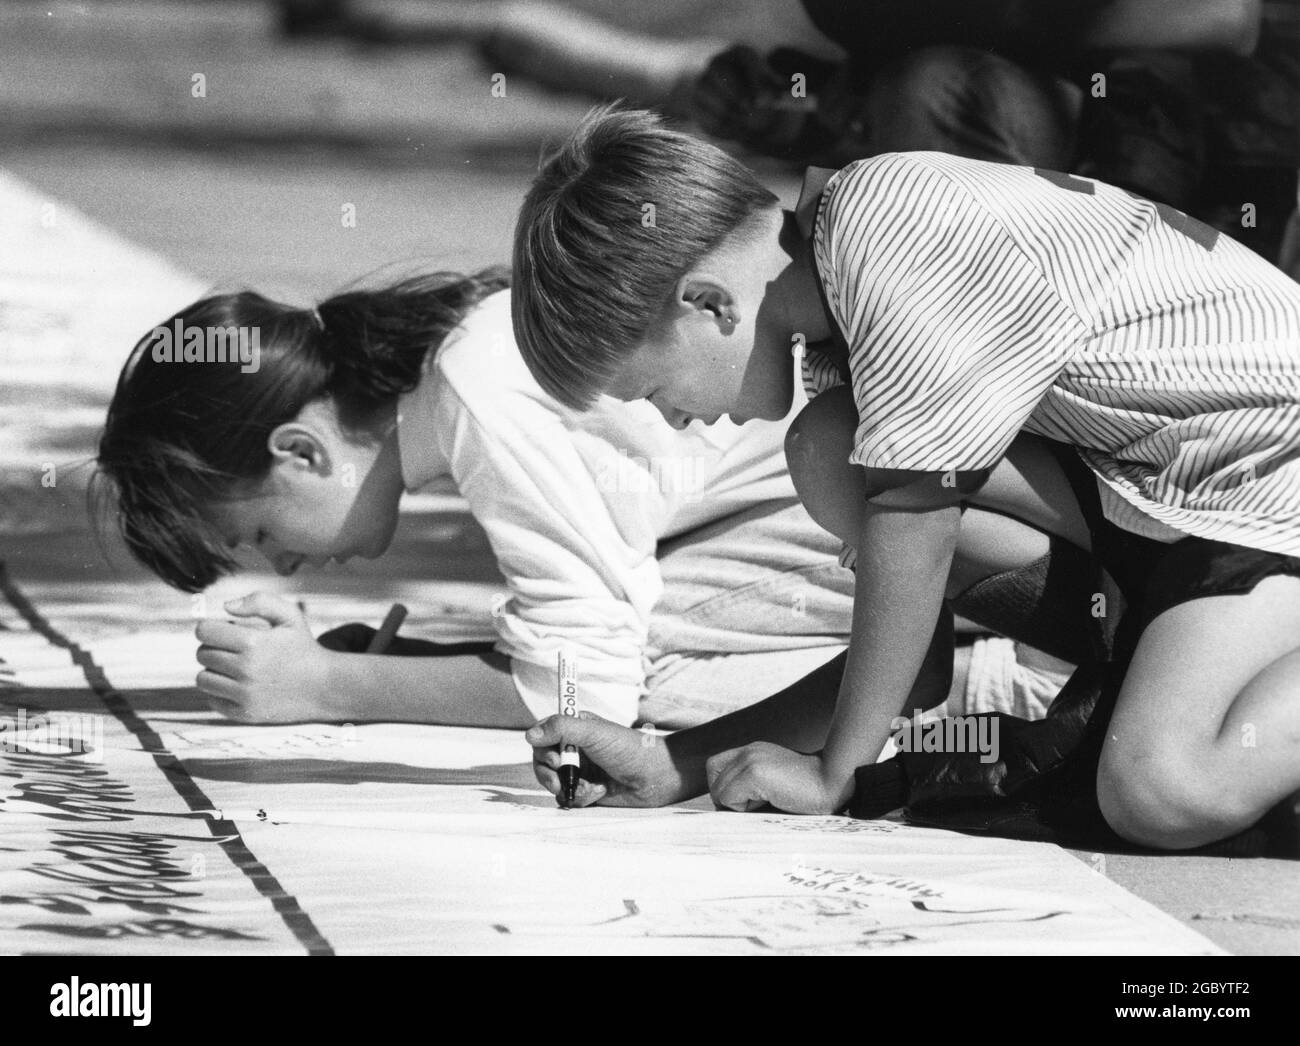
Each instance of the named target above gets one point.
<point>1191,25</point>
<point>455,690</point>
<point>796,717</point>
<point>903,563</point>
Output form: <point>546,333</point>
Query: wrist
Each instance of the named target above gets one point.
<point>837,783</point>
<point>685,776</point>
<point>333,681</point>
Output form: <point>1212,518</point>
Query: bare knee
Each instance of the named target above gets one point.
<point>817,448</point>
<point>1167,800</point>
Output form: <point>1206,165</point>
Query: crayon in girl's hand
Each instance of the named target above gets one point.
<point>569,756</point>
<point>387,632</point>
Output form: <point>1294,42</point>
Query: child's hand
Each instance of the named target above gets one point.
<point>620,767</point>
<point>263,667</point>
<point>763,774</point>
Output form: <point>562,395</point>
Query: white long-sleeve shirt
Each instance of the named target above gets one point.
<point>574,504</point>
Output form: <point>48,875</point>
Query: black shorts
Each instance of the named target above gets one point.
<point>1151,577</point>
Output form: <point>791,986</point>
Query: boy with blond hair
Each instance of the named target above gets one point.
<point>948,306</point>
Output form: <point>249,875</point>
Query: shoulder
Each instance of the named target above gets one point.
<point>893,201</point>
<point>479,361</point>
<point>484,333</point>
<point>886,176</point>
<point>475,389</point>
<point>919,184</point>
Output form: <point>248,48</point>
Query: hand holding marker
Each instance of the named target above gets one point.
<point>569,757</point>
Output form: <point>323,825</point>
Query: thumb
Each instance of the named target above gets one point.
<point>274,609</point>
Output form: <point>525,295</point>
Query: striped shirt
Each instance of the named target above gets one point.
<point>979,299</point>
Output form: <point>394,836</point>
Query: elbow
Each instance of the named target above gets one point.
<point>817,448</point>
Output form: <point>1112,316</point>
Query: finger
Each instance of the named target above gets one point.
<point>589,793</point>
<point>222,662</point>
<point>614,797</point>
<point>549,757</point>
<point>235,713</point>
<point>738,791</point>
<point>586,794</point>
<point>717,763</point>
<point>224,635</point>
<point>547,778</point>
<point>220,686</point>
<point>269,607</point>
<point>586,730</point>
<point>735,787</point>
<point>229,709</point>
<point>250,622</point>
<point>722,785</point>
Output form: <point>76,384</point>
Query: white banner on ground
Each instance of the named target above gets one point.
<point>188,834</point>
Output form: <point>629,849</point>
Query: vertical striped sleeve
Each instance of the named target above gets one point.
<point>955,333</point>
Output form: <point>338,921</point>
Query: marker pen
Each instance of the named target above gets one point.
<point>569,757</point>
<point>387,631</point>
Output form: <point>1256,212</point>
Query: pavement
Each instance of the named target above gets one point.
<point>217,75</point>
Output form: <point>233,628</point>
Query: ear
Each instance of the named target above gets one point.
<point>299,446</point>
<point>705,293</point>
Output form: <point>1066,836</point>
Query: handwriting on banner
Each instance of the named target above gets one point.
<point>97,873</point>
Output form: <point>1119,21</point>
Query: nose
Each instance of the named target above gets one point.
<point>676,418</point>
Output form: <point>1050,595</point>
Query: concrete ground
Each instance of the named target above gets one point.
<point>248,191</point>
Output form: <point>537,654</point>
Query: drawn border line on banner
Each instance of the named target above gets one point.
<point>284,903</point>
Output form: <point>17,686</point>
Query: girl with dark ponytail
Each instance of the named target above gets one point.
<point>186,436</point>
<point>289,447</point>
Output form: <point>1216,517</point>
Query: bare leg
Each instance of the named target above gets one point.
<point>1205,737</point>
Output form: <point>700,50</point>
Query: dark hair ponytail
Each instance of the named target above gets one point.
<point>375,341</point>
<point>180,438</point>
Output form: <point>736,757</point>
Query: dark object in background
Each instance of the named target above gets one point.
<point>1208,132</point>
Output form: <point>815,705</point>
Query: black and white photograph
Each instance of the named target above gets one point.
<point>595,478</point>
